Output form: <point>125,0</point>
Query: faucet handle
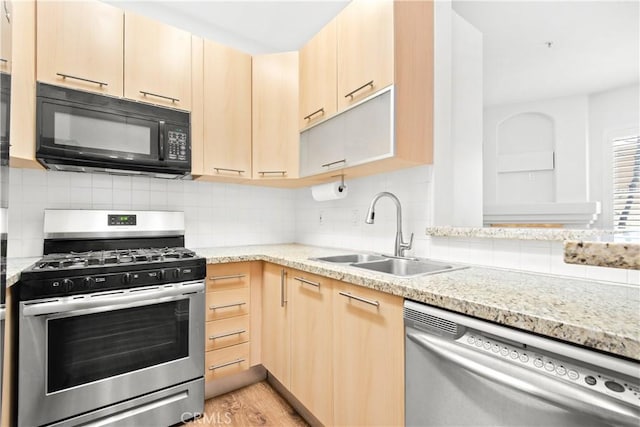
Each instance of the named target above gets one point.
<point>409,245</point>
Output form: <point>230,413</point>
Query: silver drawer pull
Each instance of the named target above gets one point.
<point>144,93</point>
<point>327,165</point>
<point>68,76</point>
<point>357,298</point>
<point>263,173</point>
<point>314,113</point>
<point>307,282</point>
<point>353,92</point>
<point>227,334</point>
<point>4,60</point>
<point>218,307</point>
<point>222,365</point>
<point>238,171</point>
<point>232,276</point>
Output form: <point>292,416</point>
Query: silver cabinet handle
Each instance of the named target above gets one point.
<point>218,307</point>
<point>540,386</point>
<point>222,365</point>
<point>327,165</point>
<point>283,274</point>
<point>4,60</point>
<point>82,79</point>
<point>263,173</point>
<point>353,92</point>
<point>227,334</point>
<point>6,12</point>
<point>144,93</point>
<point>239,171</point>
<point>231,276</point>
<point>357,298</point>
<point>307,282</point>
<point>308,117</point>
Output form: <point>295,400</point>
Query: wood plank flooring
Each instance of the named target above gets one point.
<point>256,405</point>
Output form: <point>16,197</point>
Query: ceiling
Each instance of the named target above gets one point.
<point>255,26</point>
<point>595,46</point>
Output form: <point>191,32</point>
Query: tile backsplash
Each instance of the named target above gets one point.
<point>215,214</point>
<point>231,214</point>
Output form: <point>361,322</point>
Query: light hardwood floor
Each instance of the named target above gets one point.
<point>256,405</point>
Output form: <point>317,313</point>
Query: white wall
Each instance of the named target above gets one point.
<point>215,214</point>
<point>612,114</point>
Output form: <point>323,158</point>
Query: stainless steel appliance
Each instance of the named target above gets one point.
<point>80,131</point>
<point>111,322</point>
<point>461,371</point>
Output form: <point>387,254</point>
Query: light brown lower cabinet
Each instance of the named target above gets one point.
<point>338,348</point>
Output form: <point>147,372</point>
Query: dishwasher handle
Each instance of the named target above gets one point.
<point>547,389</point>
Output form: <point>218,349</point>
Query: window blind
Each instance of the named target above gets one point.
<point>626,184</point>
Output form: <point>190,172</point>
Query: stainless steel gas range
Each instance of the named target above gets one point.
<point>111,322</point>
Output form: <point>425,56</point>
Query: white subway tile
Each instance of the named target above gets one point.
<point>99,180</point>
<point>633,277</point>
<point>140,183</point>
<point>121,182</point>
<point>101,196</point>
<point>607,274</point>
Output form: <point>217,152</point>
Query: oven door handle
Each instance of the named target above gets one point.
<point>551,390</point>
<point>130,297</point>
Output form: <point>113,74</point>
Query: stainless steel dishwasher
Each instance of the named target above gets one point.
<point>462,371</point>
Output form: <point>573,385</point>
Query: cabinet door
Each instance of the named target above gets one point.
<point>311,343</point>
<point>227,109</point>
<point>365,49</point>
<point>5,41</point>
<point>275,112</point>
<point>157,62</point>
<point>80,45</point>
<point>318,76</point>
<point>275,323</point>
<point>368,361</point>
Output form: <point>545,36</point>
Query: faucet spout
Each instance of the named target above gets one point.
<point>400,245</point>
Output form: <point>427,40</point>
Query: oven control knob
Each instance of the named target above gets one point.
<point>89,282</point>
<point>177,273</point>
<point>161,274</point>
<point>126,278</point>
<point>67,285</point>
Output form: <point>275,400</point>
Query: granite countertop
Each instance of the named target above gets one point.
<point>603,254</point>
<point>523,233</point>
<point>599,315</point>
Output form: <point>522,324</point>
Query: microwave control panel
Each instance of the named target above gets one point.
<point>177,145</point>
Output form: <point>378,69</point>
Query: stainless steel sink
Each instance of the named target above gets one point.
<point>350,258</point>
<point>406,267</point>
<point>399,267</point>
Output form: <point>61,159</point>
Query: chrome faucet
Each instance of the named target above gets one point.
<point>401,245</point>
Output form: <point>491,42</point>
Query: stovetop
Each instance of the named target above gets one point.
<point>68,274</point>
<point>106,258</point>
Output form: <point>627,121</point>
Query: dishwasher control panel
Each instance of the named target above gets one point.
<point>553,366</point>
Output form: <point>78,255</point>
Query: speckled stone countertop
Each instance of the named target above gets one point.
<point>603,254</point>
<point>594,314</point>
<point>525,233</point>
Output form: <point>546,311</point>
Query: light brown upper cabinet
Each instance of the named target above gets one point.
<point>157,62</point>
<point>318,76</point>
<point>275,112</point>
<point>5,41</point>
<point>227,111</point>
<point>80,45</point>
<point>365,49</point>
<point>384,119</point>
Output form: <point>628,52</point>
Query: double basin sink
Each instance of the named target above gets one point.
<point>398,267</point>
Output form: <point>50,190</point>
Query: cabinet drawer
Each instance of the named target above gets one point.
<point>221,277</point>
<point>226,361</point>
<point>226,332</point>
<point>224,304</point>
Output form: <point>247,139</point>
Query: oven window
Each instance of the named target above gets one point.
<point>87,348</point>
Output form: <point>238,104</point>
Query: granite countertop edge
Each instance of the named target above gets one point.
<point>573,310</point>
<point>603,254</point>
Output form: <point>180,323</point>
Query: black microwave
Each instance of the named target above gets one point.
<point>81,131</point>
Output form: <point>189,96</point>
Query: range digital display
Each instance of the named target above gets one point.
<point>122,220</point>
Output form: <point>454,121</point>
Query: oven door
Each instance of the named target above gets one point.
<point>77,354</point>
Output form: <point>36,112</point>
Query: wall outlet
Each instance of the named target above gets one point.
<point>321,218</point>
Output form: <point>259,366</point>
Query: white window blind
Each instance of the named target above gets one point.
<point>626,184</point>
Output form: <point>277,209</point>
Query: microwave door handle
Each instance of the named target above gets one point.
<point>148,297</point>
<point>161,130</point>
